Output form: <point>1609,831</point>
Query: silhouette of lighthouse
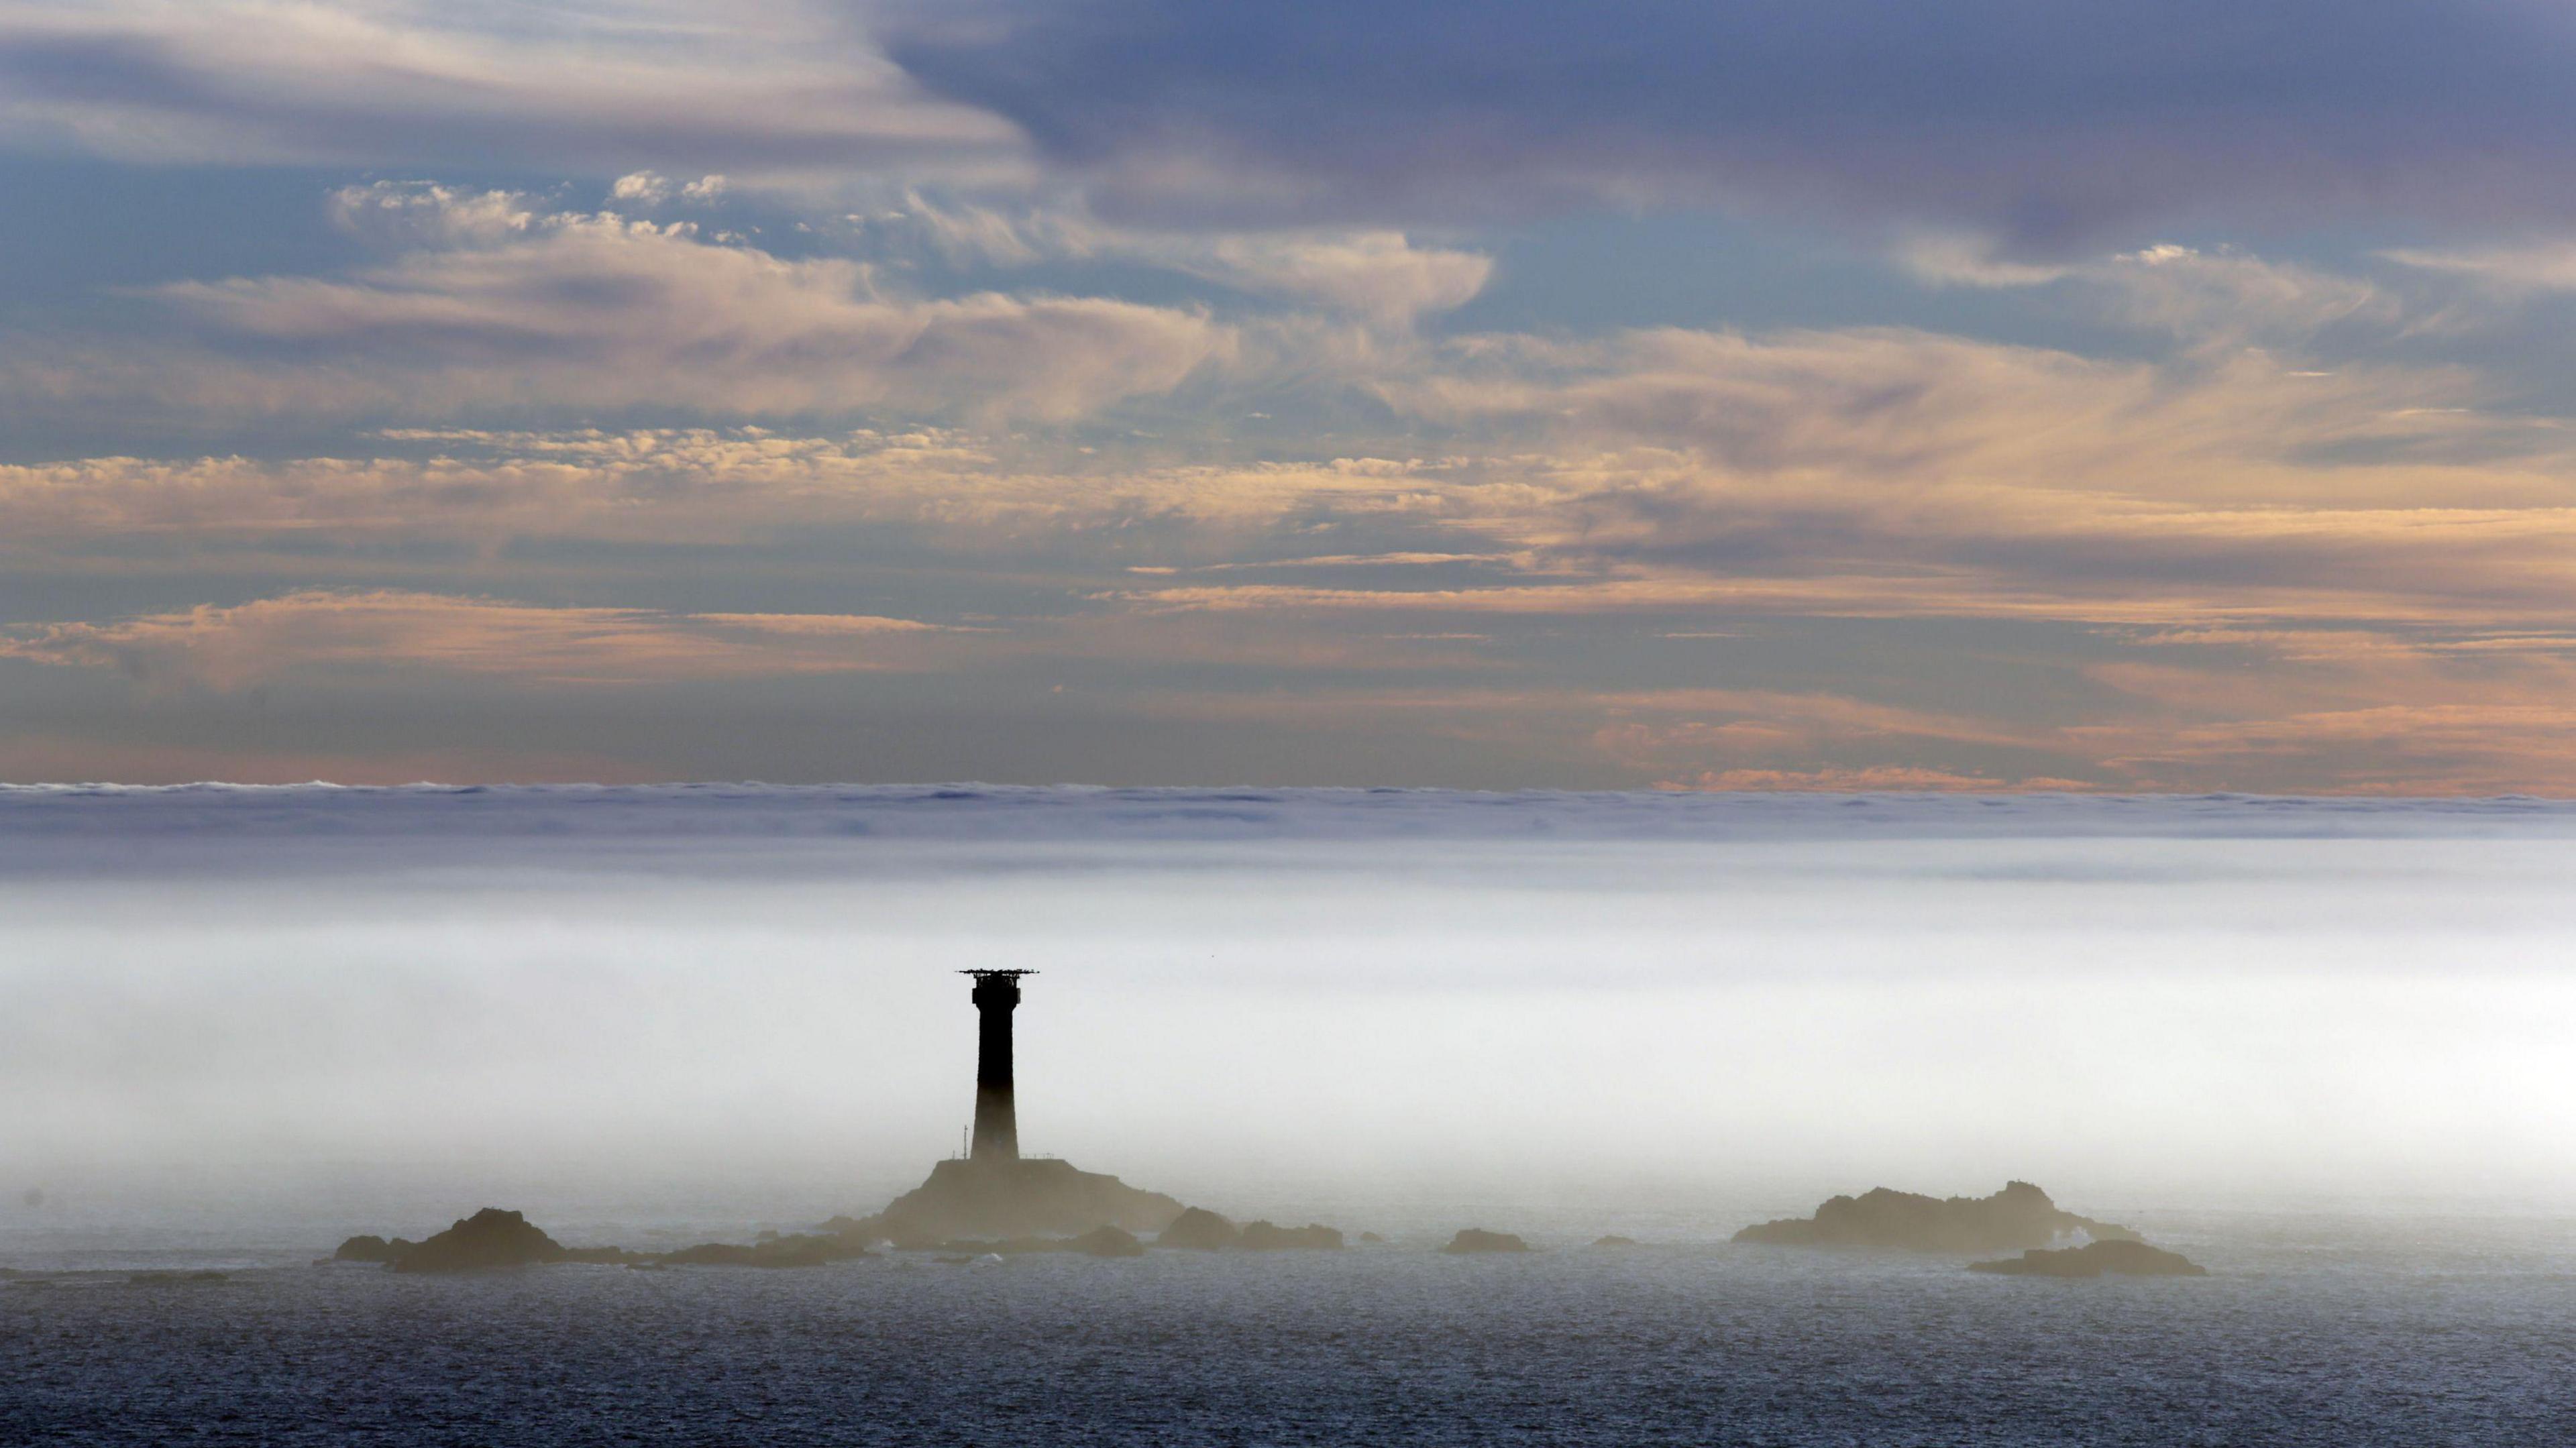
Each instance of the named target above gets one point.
<point>997,1121</point>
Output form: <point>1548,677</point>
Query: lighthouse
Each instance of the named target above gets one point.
<point>997,1122</point>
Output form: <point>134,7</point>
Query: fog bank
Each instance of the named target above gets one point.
<point>743,996</point>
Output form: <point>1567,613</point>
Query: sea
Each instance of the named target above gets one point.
<point>2317,1046</point>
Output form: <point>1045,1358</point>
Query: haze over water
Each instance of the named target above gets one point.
<point>267,1013</point>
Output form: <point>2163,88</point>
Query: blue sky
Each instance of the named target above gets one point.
<point>1842,395</point>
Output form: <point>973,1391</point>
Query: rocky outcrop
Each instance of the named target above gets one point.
<point>1199,1229</point>
<point>2019,1216</point>
<point>1270,1237</point>
<point>495,1238</point>
<point>1614,1240</point>
<point>1109,1242</point>
<point>488,1239</point>
<point>1477,1239</point>
<point>965,1198</point>
<point>799,1250</point>
<point>2120,1259</point>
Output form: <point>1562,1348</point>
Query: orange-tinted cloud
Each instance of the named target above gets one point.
<point>234,647</point>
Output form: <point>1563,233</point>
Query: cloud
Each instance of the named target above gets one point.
<point>652,188</point>
<point>647,187</point>
<point>1869,779</point>
<point>1377,275</point>
<point>426,214</point>
<point>2543,267</point>
<point>1380,276</point>
<point>514,309</point>
<point>227,648</point>
<point>769,86</point>
<point>2219,296</point>
<point>680,485</point>
<point>2051,123</point>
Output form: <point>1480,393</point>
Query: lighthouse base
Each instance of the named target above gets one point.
<point>1043,1197</point>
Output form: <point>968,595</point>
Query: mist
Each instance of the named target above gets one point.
<point>264,1002</point>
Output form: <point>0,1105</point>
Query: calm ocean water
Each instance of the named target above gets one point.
<point>2312,1329</point>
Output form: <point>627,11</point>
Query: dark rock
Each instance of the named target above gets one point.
<point>1614,1240</point>
<point>490,1238</point>
<point>370,1248</point>
<point>1270,1237</point>
<point>1109,1242</point>
<point>606,1256</point>
<point>1027,1197</point>
<point>2019,1216</point>
<point>1371,1237</point>
<point>1477,1239</point>
<point>770,1251</point>
<point>2119,1258</point>
<point>1199,1228</point>
<point>175,1279</point>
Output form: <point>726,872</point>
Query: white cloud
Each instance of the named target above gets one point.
<point>647,187</point>
<point>424,213</point>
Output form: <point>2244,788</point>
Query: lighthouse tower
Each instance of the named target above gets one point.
<point>997,1122</point>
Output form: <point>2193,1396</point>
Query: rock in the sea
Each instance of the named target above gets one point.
<point>1477,1239</point>
<point>2019,1216</point>
<point>175,1279</point>
<point>489,1238</point>
<point>2119,1258</point>
<point>771,1250</point>
<point>1371,1238</point>
<point>1199,1228</point>
<point>1109,1242</point>
<point>1032,1196</point>
<point>1614,1240</point>
<point>1270,1237</point>
<point>371,1248</point>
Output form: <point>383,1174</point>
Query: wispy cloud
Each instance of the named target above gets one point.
<point>754,85</point>
<point>226,648</point>
<point>608,311</point>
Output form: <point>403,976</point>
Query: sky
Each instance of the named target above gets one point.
<point>1841,395</point>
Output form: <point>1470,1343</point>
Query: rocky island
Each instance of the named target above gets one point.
<point>2020,1216</point>
<point>488,1239</point>
<point>493,1239</point>
<point>968,1197</point>
<point>2119,1259</point>
<point>990,1203</point>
